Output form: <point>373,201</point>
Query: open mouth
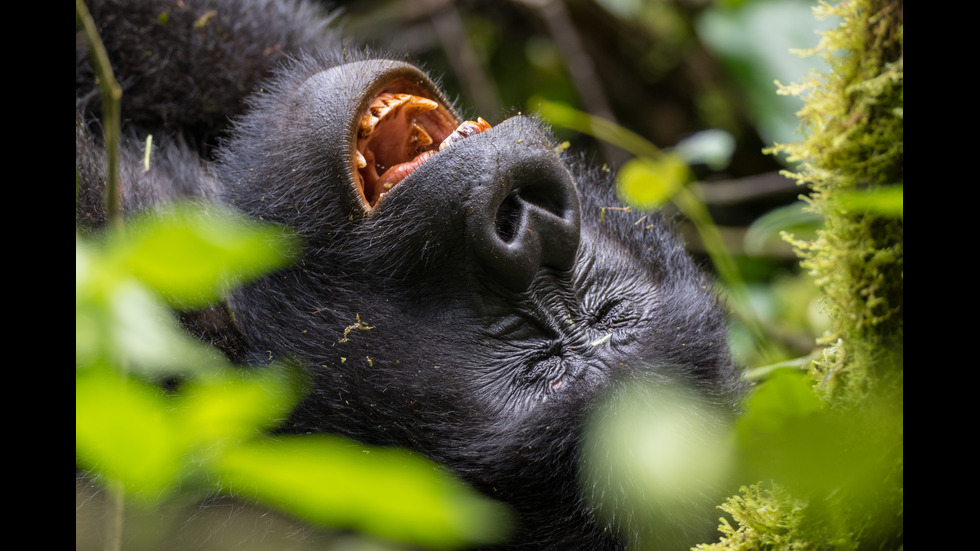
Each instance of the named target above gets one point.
<point>397,133</point>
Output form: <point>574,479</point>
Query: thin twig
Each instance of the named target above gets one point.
<point>111,96</point>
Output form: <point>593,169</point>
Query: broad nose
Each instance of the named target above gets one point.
<point>525,215</point>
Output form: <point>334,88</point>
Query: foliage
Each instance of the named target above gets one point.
<point>209,432</point>
<point>852,158</point>
<point>753,40</point>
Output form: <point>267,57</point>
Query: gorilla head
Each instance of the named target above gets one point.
<point>469,302</point>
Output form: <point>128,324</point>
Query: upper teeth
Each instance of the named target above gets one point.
<point>387,103</point>
<point>412,128</point>
<point>420,137</point>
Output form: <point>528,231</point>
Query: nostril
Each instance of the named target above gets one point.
<point>508,218</point>
<point>546,196</point>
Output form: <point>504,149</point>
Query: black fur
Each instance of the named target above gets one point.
<point>486,364</point>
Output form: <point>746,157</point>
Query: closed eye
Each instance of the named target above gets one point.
<point>614,314</point>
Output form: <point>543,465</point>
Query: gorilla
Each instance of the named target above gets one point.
<point>498,291</point>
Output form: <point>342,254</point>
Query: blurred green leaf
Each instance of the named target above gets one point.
<point>213,425</point>
<point>124,430</point>
<point>789,435</point>
<point>193,254</point>
<point>388,492</point>
<point>793,218</point>
<point>763,372</point>
<point>128,431</point>
<point>239,405</point>
<point>785,396</point>
<point>650,183</point>
<point>660,454</point>
<point>560,114</point>
<point>119,322</point>
<point>216,421</point>
<point>712,147</point>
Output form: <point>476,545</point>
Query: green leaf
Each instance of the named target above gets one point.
<point>193,254</point>
<point>651,448</point>
<point>649,183</point>
<point>885,201</point>
<point>785,396</point>
<point>562,115</point>
<point>119,322</point>
<point>386,492</point>
<point>124,431</point>
<point>793,218</point>
<point>787,434</point>
<point>240,404</point>
<point>712,147</point>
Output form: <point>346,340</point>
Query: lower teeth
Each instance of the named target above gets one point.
<point>464,130</point>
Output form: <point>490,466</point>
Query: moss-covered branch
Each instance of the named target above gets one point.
<point>852,159</point>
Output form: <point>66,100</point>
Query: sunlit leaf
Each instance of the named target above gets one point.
<point>387,492</point>
<point>655,452</point>
<point>193,254</point>
<point>237,405</point>
<point>117,320</point>
<point>124,432</point>
<point>649,183</point>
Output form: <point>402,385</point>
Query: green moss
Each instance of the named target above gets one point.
<point>853,123</point>
<point>764,519</point>
<point>853,147</point>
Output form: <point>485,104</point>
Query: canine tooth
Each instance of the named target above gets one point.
<point>419,138</point>
<point>386,103</point>
<point>418,104</point>
<point>367,126</point>
<point>361,161</point>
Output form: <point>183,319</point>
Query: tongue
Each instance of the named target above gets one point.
<point>398,172</point>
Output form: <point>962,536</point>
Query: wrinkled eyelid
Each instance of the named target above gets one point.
<point>614,313</point>
<point>606,308</point>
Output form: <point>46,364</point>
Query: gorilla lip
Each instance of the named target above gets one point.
<point>396,134</point>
